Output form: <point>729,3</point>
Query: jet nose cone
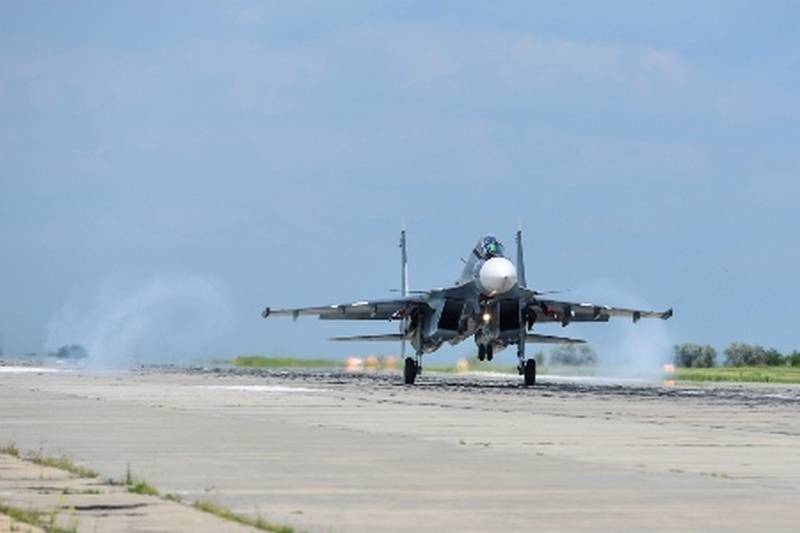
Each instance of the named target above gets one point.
<point>497,275</point>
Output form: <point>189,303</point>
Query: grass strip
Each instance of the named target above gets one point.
<point>258,361</point>
<point>227,514</point>
<point>139,486</point>
<point>61,462</point>
<point>744,374</point>
<point>136,486</point>
<point>27,516</point>
<point>35,518</point>
<point>142,487</point>
<point>10,449</point>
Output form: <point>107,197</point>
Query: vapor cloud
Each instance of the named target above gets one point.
<point>156,321</point>
<point>630,350</point>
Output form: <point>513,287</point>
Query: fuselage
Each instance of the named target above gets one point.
<point>488,268</point>
<point>484,306</point>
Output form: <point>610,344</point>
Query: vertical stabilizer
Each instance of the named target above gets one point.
<point>403,283</point>
<point>403,263</point>
<point>520,260</point>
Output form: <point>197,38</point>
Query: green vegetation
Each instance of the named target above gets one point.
<point>741,354</point>
<point>690,355</point>
<point>693,362</point>
<point>27,516</point>
<point>572,355</point>
<point>61,462</point>
<point>72,351</point>
<point>472,365</point>
<point>761,374</point>
<point>138,486</point>
<point>575,370</point>
<point>258,361</point>
<point>571,359</point>
<point>143,487</point>
<point>10,449</point>
<point>227,514</point>
<point>743,362</point>
<point>46,521</point>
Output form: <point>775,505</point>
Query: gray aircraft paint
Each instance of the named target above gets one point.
<point>451,315</point>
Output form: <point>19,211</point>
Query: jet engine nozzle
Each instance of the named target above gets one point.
<point>497,275</point>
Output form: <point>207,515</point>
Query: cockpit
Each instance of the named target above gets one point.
<point>490,247</point>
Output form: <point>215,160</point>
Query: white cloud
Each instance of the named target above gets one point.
<point>665,64</point>
<point>252,15</point>
<point>252,76</point>
<point>434,58</point>
<point>44,77</point>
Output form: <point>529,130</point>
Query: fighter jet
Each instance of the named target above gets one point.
<point>490,302</point>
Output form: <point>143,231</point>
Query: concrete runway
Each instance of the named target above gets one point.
<point>324,451</point>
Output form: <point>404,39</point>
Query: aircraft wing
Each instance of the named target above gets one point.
<point>380,337</point>
<point>551,339</point>
<point>363,310</point>
<point>566,312</point>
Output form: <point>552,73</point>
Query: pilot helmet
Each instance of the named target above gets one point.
<point>491,246</point>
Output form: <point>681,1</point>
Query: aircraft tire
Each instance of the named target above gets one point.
<point>530,372</point>
<point>410,371</point>
<point>481,352</point>
<point>489,352</point>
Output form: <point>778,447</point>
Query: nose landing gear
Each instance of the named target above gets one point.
<point>485,351</point>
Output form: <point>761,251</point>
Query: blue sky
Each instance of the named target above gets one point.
<point>262,153</point>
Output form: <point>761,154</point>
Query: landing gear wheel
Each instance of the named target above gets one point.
<point>481,352</point>
<point>530,372</point>
<point>489,352</point>
<point>410,371</point>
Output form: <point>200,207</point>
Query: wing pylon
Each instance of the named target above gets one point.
<point>380,337</point>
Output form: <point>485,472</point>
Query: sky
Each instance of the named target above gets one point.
<point>167,169</point>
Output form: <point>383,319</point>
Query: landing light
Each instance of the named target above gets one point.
<point>487,317</point>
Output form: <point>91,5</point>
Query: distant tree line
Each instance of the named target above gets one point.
<point>690,355</point>
<point>72,351</point>
<point>573,355</point>
<point>686,355</point>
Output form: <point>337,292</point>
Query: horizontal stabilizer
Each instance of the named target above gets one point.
<point>380,337</point>
<point>551,339</point>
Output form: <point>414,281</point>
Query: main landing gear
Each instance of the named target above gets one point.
<point>529,372</point>
<point>412,369</point>
<point>526,367</point>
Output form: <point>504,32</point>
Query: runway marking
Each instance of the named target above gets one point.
<point>26,369</point>
<point>598,380</point>
<point>260,388</point>
<point>556,378</point>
